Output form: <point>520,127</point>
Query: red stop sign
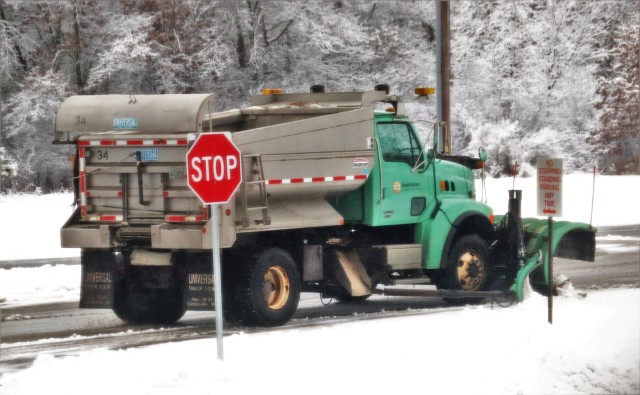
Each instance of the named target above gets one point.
<point>214,168</point>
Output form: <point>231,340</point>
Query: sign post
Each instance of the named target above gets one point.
<point>214,173</point>
<point>550,204</point>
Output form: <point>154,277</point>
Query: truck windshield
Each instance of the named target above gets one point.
<point>398,143</point>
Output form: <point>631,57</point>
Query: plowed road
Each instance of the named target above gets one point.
<point>63,329</point>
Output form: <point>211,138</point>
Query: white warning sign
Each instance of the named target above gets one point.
<point>550,187</point>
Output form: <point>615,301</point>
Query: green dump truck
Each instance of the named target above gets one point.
<point>337,198</point>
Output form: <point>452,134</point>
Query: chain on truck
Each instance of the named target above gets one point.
<point>337,198</point>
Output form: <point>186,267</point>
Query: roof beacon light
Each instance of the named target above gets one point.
<point>425,91</point>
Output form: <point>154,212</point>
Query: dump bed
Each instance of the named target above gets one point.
<point>131,168</point>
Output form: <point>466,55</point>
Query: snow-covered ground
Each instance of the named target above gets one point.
<point>592,347</point>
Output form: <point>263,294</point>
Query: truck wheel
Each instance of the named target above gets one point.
<point>138,303</point>
<point>467,268</point>
<point>265,291</point>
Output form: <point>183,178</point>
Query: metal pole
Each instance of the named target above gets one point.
<point>550,281</point>
<point>443,75</point>
<point>217,278</point>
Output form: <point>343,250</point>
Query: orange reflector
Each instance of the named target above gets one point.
<point>425,91</point>
<point>390,109</point>
<point>442,185</point>
<point>492,219</point>
<point>272,91</point>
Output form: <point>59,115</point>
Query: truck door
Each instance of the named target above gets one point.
<point>404,196</point>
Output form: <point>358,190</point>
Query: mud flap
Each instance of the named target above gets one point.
<point>199,292</point>
<point>98,279</point>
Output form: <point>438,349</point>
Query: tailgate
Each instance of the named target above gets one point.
<point>136,179</point>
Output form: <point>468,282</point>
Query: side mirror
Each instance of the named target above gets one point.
<point>482,154</point>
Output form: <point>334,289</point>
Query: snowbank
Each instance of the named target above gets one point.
<point>592,347</point>
<point>615,200</point>
<point>46,284</point>
<point>30,226</point>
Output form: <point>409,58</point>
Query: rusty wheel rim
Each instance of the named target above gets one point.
<point>276,287</point>
<point>471,271</point>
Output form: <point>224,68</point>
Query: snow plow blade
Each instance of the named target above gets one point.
<point>571,240</point>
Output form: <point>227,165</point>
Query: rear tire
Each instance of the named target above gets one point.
<point>135,302</point>
<point>467,269</point>
<point>264,291</point>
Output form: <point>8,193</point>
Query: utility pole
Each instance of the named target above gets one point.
<point>443,76</point>
<point>1,134</point>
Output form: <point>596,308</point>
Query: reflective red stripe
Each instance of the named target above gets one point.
<point>183,218</point>
<point>87,143</point>
<point>316,179</point>
<point>108,218</point>
<point>82,183</point>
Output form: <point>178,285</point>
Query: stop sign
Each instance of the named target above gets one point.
<point>214,168</point>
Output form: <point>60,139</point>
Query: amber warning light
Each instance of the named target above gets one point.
<point>272,91</point>
<point>425,91</point>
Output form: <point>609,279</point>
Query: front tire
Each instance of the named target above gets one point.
<point>467,268</point>
<point>265,290</point>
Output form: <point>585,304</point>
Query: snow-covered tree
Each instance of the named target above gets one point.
<point>617,140</point>
<point>529,63</point>
<point>527,74</point>
<point>29,124</point>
